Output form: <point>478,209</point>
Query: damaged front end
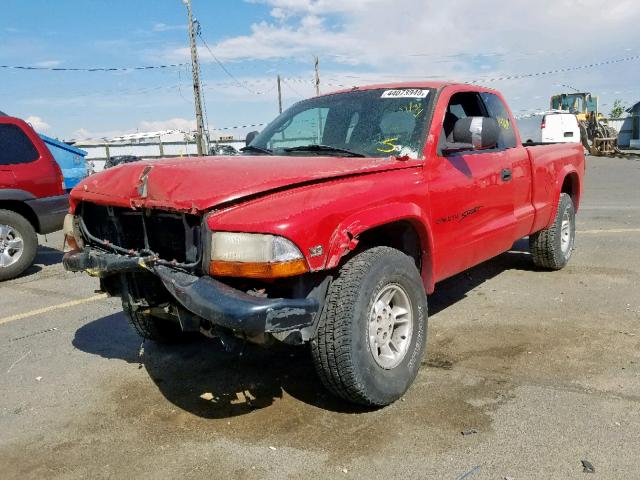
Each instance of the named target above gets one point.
<point>157,262</point>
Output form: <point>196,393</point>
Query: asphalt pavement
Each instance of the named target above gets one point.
<point>528,373</point>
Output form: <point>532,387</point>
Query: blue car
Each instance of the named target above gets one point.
<point>70,159</point>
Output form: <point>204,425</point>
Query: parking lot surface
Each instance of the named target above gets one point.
<point>528,373</point>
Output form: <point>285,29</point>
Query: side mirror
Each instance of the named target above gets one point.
<point>473,133</point>
<point>250,136</point>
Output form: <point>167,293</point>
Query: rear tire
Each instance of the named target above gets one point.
<point>363,310</point>
<point>552,248</point>
<point>154,328</point>
<point>18,244</point>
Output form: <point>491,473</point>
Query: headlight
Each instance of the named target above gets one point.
<point>254,255</point>
<point>72,237</point>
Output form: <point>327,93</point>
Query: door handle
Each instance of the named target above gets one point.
<point>506,174</point>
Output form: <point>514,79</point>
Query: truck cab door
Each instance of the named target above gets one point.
<point>471,196</point>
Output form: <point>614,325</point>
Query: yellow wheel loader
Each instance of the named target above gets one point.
<point>597,137</point>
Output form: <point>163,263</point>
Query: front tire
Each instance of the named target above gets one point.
<point>154,328</point>
<point>373,330</point>
<point>18,244</point>
<point>552,248</point>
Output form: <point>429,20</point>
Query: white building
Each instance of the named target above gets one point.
<point>148,145</point>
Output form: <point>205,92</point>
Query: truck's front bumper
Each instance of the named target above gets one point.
<point>206,297</point>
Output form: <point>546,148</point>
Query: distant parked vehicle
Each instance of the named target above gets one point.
<point>118,160</point>
<point>223,150</point>
<point>549,127</point>
<point>32,195</point>
<point>71,161</point>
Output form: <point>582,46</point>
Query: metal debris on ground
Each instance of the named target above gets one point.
<point>469,473</point>
<point>587,466</point>
<point>469,431</point>
<point>140,355</point>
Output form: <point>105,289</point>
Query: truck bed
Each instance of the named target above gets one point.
<point>548,160</point>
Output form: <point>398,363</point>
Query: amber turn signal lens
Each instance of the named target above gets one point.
<point>258,270</point>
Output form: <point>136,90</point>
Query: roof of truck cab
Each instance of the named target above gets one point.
<point>399,85</point>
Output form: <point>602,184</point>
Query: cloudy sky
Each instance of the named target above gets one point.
<point>357,41</point>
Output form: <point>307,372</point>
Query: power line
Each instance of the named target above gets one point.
<point>295,90</point>
<point>236,127</point>
<point>557,70</point>
<point>224,69</point>
<point>374,76</point>
<point>92,69</point>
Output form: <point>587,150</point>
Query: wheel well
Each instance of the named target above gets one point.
<point>22,209</point>
<point>571,187</point>
<point>400,235</point>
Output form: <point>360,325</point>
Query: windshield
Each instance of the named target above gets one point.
<point>373,123</point>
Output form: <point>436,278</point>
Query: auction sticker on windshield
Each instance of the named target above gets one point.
<point>405,93</point>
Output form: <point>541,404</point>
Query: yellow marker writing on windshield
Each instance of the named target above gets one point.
<point>503,122</point>
<point>391,147</point>
<point>413,108</point>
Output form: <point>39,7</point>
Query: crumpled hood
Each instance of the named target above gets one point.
<point>197,184</point>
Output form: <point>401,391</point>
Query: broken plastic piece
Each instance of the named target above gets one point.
<point>587,466</point>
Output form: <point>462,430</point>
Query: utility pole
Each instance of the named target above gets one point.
<point>317,68</point>
<point>279,95</point>
<point>195,69</point>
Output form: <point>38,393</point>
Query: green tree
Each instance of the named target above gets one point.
<point>618,109</point>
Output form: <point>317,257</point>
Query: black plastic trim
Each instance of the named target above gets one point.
<point>50,212</point>
<point>206,297</point>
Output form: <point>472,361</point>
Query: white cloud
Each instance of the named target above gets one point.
<point>388,36</point>
<point>37,123</point>
<point>48,63</point>
<point>170,124</point>
<point>375,41</point>
<point>163,27</point>
<point>371,41</point>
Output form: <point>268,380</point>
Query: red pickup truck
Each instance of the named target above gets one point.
<point>32,195</point>
<point>331,229</point>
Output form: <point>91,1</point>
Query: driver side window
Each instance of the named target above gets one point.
<point>461,105</point>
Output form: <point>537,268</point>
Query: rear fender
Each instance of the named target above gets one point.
<point>567,171</point>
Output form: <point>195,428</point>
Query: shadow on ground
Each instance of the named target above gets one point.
<point>44,257</point>
<point>48,256</point>
<point>456,288</point>
<point>205,379</point>
<point>232,382</point>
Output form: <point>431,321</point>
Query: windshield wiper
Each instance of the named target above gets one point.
<point>253,148</point>
<point>323,148</point>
